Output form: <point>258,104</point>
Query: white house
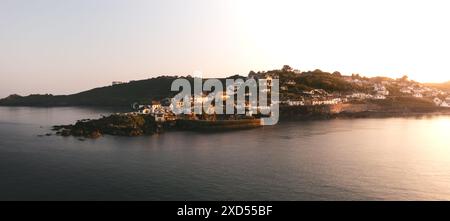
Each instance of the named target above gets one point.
<point>418,95</point>
<point>295,103</point>
<point>437,101</point>
<point>379,97</point>
<point>326,101</point>
<point>179,105</point>
<point>156,105</point>
<point>291,82</point>
<point>360,96</point>
<point>406,90</point>
<point>381,89</point>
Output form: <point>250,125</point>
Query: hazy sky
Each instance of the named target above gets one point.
<point>65,46</point>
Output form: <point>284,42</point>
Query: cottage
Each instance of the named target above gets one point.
<point>178,105</point>
<point>406,90</point>
<point>156,105</point>
<point>418,95</point>
<point>437,101</point>
<point>326,101</point>
<point>317,102</point>
<point>381,89</point>
<point>291,82</point>
<point>379,97</point>
<point>296,103</point>
<point>360,96</point>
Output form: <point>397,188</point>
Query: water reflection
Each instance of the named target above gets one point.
<point>361,159</point>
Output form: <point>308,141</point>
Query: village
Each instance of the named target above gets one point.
<point>374,90</point>
<point>377,91</point>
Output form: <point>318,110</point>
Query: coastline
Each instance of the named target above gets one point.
<point>132,125</point>
<point>367,115</point>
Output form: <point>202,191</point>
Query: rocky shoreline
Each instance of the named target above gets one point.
<point>132,125</point>
<point>116,125</point>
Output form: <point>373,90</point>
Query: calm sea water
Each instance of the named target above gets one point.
<point>361,159</point>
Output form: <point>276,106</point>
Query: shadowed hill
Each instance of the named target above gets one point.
<point>144,91</point>
<point>118,95</point>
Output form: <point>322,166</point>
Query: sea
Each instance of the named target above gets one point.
<point>341,159</point>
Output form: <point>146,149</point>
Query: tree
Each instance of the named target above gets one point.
<point>356,76</point>
<point>337,73</point>
<point>287,68</point>
<point>404,78</point>
<point>317,71</point>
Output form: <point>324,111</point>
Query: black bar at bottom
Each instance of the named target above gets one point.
<point>226,210</point>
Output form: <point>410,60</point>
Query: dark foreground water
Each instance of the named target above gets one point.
<point>365,159</point>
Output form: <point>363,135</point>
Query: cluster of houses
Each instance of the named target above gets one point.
<point>162,110</point>
<point>380,92</point>
<point>442,103</point>
<point>321,97</point>
<point>159,109</point>
<point>421,91</point>
<point>313,98</point>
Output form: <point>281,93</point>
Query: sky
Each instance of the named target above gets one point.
<point>63,47</point>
